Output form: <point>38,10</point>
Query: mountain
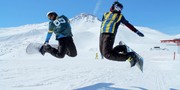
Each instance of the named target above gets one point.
<point>83,17</point>
<point>85,28</point>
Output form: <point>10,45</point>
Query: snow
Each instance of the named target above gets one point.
<point>177,36</point>
<point>19,71</point>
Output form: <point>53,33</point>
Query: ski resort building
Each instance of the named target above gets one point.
<point>174,42</point>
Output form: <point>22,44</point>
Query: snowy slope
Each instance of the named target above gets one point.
<point>177,36</point>
<point>19,71</point>
<point>85,29</point>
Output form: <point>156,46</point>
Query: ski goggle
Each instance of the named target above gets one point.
<point>117,8</point>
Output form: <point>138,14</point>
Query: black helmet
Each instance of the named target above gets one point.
<point>116,7</point>
<point>52,13</point>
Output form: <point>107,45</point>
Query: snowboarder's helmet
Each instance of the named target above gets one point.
<point>52,13</point>
<point>116,7</point>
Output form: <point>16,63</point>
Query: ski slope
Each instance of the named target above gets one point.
<point>19,71</point>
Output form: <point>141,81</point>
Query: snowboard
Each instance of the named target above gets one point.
<point>34,48</point>
<point>140,60</point>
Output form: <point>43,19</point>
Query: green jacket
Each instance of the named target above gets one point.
<point>61,28</point>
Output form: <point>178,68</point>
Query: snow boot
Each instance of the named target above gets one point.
<point>41,50</point>
<point>44,49</point>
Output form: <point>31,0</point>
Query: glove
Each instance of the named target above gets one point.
<point>139,33</point>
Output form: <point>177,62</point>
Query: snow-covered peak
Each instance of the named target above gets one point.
<point>83,17</point>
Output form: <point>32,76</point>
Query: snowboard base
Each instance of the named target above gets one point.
<point>140,60</point>
<point>34,48</point>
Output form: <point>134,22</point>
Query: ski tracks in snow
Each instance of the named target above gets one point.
<point>86,73</point>
<point>160,75</point>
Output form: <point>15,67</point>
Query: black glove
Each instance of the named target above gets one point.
<point>139,33</point>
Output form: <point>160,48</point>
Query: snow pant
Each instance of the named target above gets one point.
<point>106,48</point>
<point>66,47</point>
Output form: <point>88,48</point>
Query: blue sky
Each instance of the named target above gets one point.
<point>162,15</point>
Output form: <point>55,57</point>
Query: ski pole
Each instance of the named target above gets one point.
<point>174,56</point>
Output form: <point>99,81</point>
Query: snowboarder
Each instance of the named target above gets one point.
<point>110,22</point>
<point>60,26</point>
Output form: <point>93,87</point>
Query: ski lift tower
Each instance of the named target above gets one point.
<point>173,42</point>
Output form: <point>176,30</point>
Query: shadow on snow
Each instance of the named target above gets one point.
<point>105,86</point>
